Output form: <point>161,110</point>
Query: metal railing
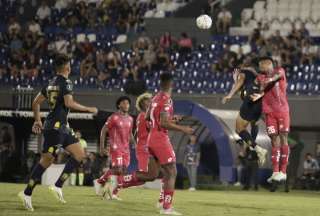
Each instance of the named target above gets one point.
<point>22,98</point>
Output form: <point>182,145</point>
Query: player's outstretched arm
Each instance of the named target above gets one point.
<point>239,80</point>
<point>266,82</point>
<point>38,100</point>
<point>72,104</point>
<point>103,133</point>
<point>167,123</point>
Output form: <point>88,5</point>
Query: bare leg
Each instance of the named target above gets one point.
<point>241,129</point>
<point>170,174</point>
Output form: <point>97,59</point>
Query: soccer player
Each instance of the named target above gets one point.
<point>119,127</point>
<point>147,165</point>
<point>142,131</point>
<point>277,117</point>
<point>160,112</point>
<point>56,130</point>
<point>161,115</point>
<point>250,111</point>
<point>148,168</point>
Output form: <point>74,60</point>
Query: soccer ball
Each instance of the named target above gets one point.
<point>204,21</point>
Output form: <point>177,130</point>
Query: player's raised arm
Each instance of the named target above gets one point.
<point>167,123</point>
<point>38,100</point>
<point>239,80</point>
<point>267,82</point>
<point>72,104</point>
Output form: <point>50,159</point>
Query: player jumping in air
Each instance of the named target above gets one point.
<point>56,130</point>
<point>250,111</point>
<point>277,117</point>
<point>119,127</point>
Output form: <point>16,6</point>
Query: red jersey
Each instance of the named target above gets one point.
<point>143,127</point>
<point>120,129</point>
<point>275,99</point>
<point>160,103</point>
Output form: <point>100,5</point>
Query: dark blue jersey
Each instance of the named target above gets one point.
<point>55,91</point>
<point>248,82</point>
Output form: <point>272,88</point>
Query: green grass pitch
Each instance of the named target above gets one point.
<point>141,202</point>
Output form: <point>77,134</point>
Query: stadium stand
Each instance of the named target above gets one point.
<point>26,57</point>
<point>282,14</point>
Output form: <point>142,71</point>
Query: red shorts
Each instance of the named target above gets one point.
<point>120,159</point>
<point>277,123</point>
<point>161,148</point>
<point>143,159</point>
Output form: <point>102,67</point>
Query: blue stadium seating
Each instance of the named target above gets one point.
<point>193,73</point>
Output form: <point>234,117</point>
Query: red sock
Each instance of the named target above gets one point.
<point>285,151</point>
<point>104,178</point>
<point>116,191</point>
<point>275,156</point>
<point>168,197</point>
<point>120,180</point>
<point>161,196</point>
<point>130,180</point>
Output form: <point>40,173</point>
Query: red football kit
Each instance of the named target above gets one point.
<point>120,130</point>
<point>158,140</point>
<point>142,152</point>
<point>276,108</point>
<point>275,104</point>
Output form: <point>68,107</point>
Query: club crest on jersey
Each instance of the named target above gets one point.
<point>69,87</point>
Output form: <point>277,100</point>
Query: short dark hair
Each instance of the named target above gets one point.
<point>60,61</point>
<point>165,77</point>
<point>122,98</point>
<point>308,154</point>
<point>266,58</point>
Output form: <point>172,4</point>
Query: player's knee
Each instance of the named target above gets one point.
<point>46,160</point>
<point>284,138</point>
<point>172,171</point>
<point>275,141</point>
